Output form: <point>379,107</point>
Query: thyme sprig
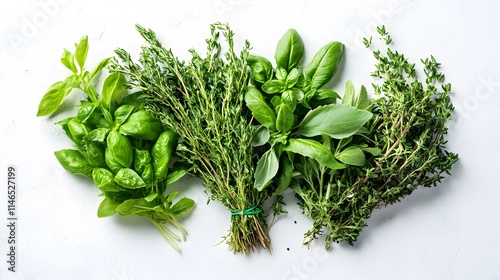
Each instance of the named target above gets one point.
<point>202,101</point>
<point>409,128</point>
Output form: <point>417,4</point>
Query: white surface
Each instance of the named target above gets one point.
<point>449,232</point>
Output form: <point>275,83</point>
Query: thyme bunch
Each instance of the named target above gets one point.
<point>408,128</point>
<point>202,100</point>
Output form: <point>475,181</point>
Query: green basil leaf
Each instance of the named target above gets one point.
<point>142,125</point>
<point>363,101</point>
<point>261,136</point>
<point>86,113</point>
<point>151,197</point>
<point>161,153</point>
<point>170,198</point>
<point>285,118</point>
<point>141,159</point>
<point>119,148</point>
<point>177,171</point>
<point>285,175</point>
<point>64,124</point>
<point>95,153</point>
<point>273,86</point>
<point>336,120</point>
<point>78,131</point>
<point>281,74</point>
<point>315,150</point>
<point>104,180</point>
<point>324,93</point>
<point>276,101</point>
<point>350,92</point>
<point>289,97</point>
<point>129,179</point>
<point>98,135</point>
<point>53,98</point>
<point>266,170</point>
<point>147,175</point>
<point>259,108</point>
<point>111,161</point>
<point>137,206</point>
<point>183,206</point>
<point>102,64</point>
<point>290,50</point>
<point>113,85</point>
<point>107,208</point>
<point>74,162</point>
<point>81,51</point>
<point>68,60</point>
<point>324,64</point>
<point>122,114</point>
<point>292,78</point>
<point>106,121</point>
<point>262,70</point>
<point>352,155</point>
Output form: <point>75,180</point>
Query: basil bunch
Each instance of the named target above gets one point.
<point>299,117</point>
<point>120,146</point>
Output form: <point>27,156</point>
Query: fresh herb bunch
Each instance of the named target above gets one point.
<point>202,101</point>
<point>409,128</point>
<point>122,147</point>
<point>297,115</point>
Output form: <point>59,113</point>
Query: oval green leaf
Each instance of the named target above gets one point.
<point>267,168</point>
<point>315,150</point>
<point>261,111</point>
<point>336,120</point>
<point>324,64</point>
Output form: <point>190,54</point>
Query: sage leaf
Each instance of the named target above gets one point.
<point>261,136</point>
<point>315,150</point>
<point>352,155</point>
<point>336,120</point>
<point>285,175</point>
<point>350,92</point>
<point>266,170</point>
<point>363,101</point>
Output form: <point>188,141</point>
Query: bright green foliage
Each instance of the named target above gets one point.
<point>120,146</point>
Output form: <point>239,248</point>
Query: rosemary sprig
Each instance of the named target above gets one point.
<point>202,101</point>
<point>409,128</point>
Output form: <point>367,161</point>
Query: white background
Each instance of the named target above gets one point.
<point>448,232</point>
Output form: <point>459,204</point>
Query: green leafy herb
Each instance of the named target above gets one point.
<point>401,148</point>
<point>202,100</point>
<point>122,147</point>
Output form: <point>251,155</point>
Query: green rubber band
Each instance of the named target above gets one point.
<point>254,210</point>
